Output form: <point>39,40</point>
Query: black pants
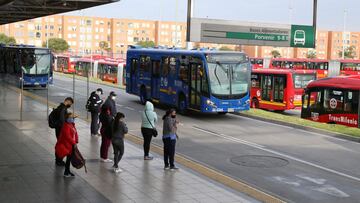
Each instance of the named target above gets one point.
<point>57,133</point>
<point>94,123</point>
<point>118,146</point>
<point>67,164</point>
<point>169,151</point>
<point>147,135</point>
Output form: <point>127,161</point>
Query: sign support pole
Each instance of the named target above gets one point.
<point>188,23</point>
<point>314,19</point>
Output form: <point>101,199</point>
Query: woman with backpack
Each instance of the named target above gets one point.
<point>148,130</point>
<point>67,141</point>
<point>169,138</point>
<point>119,129</point>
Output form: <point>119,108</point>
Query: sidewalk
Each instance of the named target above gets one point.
<point>28,172</point>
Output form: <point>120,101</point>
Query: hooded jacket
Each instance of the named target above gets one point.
<point>67,139</point>
<point>151,114</point>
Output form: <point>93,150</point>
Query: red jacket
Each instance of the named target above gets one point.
<point>67,139</point>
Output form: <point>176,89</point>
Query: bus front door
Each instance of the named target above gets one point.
<point>195,86</point>
<point>266,87</point>
<point>155,80</point>
<point>133,76</point>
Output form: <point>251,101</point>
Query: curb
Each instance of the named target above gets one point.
<point>196,166</point>
<point>310,129</point>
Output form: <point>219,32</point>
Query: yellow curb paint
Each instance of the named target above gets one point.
<point>200,168</point>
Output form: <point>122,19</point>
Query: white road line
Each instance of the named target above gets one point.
<point>71,91</point>
<point>119,105</point>
<point>329,136</point>
<point>279,153</point>
<point>131,109</point>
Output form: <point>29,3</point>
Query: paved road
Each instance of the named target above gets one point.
<point>293,164</point>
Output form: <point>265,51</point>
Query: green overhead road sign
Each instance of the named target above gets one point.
<point>302,36</point>
<point>263,34</point>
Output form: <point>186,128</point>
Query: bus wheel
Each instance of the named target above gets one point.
<point>255,103</point>
<point>222,113</point>
<point>143,95</point>
<point>182,105</point>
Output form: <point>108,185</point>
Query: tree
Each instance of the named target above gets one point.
<point>104,46</point>
<point>350,52</point>
<point>275,54</point>
<point>146,44</point>
<point>225,48</point>
<point>4,39</point>
<point>311,54</point>
<point>57,45</point>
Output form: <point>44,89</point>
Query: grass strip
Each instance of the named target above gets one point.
<point>349,131</point>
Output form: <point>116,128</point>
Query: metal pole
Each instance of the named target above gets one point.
<point>188,25</point>
<point>87,82</point>
<point>74,92</point>
<point>314,18</point>
<point>22,93</point>
<point>47,88</point>
<point>343,36</point>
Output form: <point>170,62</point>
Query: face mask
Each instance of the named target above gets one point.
<point>173,116</point>
<point>70,120</point>
<point>68,106</point>
<point>113,98</point>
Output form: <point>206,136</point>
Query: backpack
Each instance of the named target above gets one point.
<point>53,118</point>
<point>77,160</point>
<point>90,104</point>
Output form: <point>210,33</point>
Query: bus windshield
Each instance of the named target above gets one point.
<point>36,62</point>
<point>302,80</point>
<point>229,77</point>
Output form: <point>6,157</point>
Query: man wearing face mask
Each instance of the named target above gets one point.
<point>93,106</point>
<point>107,115</point>
<point>62,110</point>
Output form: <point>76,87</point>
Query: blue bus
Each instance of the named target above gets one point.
<point>203,81</point>
<point>35,64</point>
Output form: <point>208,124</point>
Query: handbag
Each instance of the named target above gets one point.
<point>77,160</point>
<point>154,131</point>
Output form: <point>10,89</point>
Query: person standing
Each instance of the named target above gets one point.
<point>68,139</point>
<point>107,115</point>
<point>119,130</point>
<point>61,110</point>
<point>149,118</point>
<point>93,106</point>
<point>169,138</point>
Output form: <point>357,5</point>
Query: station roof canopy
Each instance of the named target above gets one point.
<point>18,10</point>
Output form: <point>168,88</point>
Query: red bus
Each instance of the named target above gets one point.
<point>66,64</point>
<point>320,65</point>
<point>349,67</point>
<point>279,90</point>
<point>333,100</point>
<point>257,62</point>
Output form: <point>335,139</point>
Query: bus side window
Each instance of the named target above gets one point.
<point>333,100</point>
<point>172,66</point>
<point>134,63</point>
<point>305,101</point>
<point>351,104</point>
<point>156,68</point>
<point>204,81</point>
<point>165,67</point>
<point>255,80</point>
<point>184,72</point>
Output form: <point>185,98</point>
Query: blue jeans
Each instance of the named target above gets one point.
<point>169,151</point>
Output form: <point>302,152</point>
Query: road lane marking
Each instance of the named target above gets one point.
<point>131,109</point>
<point>318,181</point>
<point>279,153</point>
<point>331,190</point>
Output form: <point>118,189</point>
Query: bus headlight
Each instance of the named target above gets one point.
<point>247,101</point>
<point>210,103</point>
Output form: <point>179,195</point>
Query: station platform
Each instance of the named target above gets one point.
<point>28,172</point>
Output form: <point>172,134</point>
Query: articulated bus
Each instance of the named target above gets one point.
<point>333,100</point>
<point>257,62</point>
<point>35,64</point>
<point>279,90</point>
<point>66,64</point>
<point>203,81</point>
<point>349,67</point>
<point>109,71</point>
<point>320,65</point>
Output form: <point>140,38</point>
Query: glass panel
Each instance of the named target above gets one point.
<point>302,80</point>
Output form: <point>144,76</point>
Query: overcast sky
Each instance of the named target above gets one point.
<point>330,12</point>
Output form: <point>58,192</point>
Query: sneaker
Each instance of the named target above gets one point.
<point>174,168</point>
<point>118,170</point>
<point>69,175</point>
<point>106,160</point>
<point>60,163</point>
<point>166,168</point>
<point>148,158</point>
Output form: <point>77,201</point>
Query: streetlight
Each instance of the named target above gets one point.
<point>343,35</point>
